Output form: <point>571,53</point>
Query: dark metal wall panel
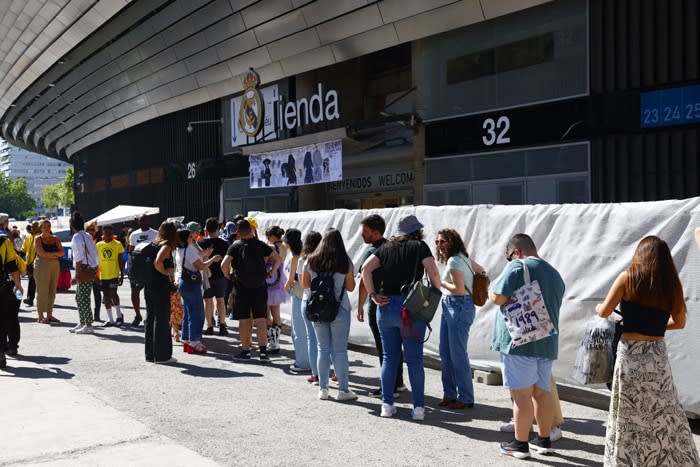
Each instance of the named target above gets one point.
<point>157,143</point>
<point>645,167</point>
<point>643,43</point>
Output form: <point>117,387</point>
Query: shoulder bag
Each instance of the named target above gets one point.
<point>480,285</point>
<point>86,272</point>
<point>525,314</point>
<point>421,301</point>
<point>190,277</point>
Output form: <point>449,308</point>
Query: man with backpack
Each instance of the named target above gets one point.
<point>249,257</point>
<point>144,234</point>
<point>9,303</point>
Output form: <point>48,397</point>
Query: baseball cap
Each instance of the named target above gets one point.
<point>193,227</point>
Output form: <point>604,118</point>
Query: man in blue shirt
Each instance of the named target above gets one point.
<point>527,369</point>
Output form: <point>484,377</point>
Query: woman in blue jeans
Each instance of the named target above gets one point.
<point>404,259</point>
<point>292,240</point>
<point>189,262</point>
<point>311,242</point>
<point>331,257</point>
<point>457,318</point>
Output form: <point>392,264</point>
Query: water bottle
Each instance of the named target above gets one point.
<point>18,295</point>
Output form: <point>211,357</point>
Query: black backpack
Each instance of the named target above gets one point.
<point>142,259</point>
<point>251,272</point>
<point>323,305</point>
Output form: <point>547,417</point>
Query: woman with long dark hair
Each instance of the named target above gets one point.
<point>276,293</point>
<point>292,240</point>
<point>311,242</point>
<point>404,258</point>
<point>331,257</point>
<point>46,268</point>
<point>457,317</point>
<point>84,257</point>
<point>159,346</point>
<point>646,424</point>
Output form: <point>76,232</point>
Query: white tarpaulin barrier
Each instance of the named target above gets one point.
<point>123,213</point>
<point>590,244</point>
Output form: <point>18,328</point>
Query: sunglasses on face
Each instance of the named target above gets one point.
<point>509,256</point>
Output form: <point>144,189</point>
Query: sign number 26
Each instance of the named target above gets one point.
<point>496,131</point>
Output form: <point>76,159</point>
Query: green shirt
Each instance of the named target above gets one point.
<point>377,274</point>
<point>552,286</point>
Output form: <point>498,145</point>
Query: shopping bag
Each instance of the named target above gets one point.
<point>525,314</point>
<point>595,359</point>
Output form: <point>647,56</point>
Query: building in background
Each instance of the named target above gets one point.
<point>221,107</point>
<point>38,170</point>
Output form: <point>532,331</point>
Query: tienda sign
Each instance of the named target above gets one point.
<point>321,106</point>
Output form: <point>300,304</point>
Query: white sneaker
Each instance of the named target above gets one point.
<point>388,410</point>
<point>555,434</point>
<point>418,413</point>
<point>76,328</point>
<point>85,330</point>
<point>346,396</point>
<point>323,394</point>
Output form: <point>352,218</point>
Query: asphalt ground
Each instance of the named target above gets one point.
<point>93,400</point>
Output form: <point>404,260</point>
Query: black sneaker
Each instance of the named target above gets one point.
<point>541,445</point>
<point>263,357</point>
<point>242,355</point>
<point>209,331</point>
<point>135,323</point>
<point>3,360</point>
<point>28,302</point>
<point>222,330</point>
<point>515,448</point>
<point>120,321</point>
<point>377,392</point>
<point>12,351</point>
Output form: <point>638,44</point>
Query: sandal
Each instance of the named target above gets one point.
<point>42,321</point>
<point>53,319</point>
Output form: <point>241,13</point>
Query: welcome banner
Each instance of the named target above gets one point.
<point>304,165</point>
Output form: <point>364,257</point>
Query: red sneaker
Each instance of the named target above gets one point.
<point>187,348</point>
<point>312,379</point>
<point>199,349</point>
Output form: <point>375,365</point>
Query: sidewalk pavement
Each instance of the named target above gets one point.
<point>89,400</point>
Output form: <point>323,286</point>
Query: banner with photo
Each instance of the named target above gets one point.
<point>304,165</point>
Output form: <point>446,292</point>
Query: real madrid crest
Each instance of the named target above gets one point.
<point>251,113</point>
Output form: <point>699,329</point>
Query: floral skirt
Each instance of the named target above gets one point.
<point>176,311</point>
<point>646,424</point>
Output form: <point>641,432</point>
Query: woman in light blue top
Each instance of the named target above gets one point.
<point>457,317</point>
<point>331,257</point>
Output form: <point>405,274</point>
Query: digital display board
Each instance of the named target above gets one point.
<point>675,106</point>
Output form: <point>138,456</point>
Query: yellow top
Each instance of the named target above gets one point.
<point>8,255</point>
<point>29,249</point>
<point>108,254</point>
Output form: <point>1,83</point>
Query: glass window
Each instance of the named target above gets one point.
<point>277,204</point>
<point>533,55</point>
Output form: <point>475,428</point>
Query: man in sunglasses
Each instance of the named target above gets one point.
<point>527,368</point>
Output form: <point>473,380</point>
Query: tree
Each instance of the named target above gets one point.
<point>15,198</point>
<point>60,193</point>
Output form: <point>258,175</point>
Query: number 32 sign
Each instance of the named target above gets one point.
<point>496,131</point>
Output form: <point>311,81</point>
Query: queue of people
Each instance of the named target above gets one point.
<point>230,267</point>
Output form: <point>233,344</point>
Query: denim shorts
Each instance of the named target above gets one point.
<point>521,372</point>
<point>109,284</point>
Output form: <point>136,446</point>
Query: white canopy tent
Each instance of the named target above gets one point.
<point>123,213</point>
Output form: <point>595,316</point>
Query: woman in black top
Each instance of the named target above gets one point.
<point>159,346</point>
<point>404,259</point>
<point>647,425</point>
<point>46,268</point>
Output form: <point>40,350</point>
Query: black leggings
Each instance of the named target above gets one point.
<point>9,320</point>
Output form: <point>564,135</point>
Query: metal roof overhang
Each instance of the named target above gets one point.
<point>75,72</point>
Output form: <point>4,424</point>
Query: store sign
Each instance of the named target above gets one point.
<point>262,114</point>
<point>378,182</point>
<point>304,165</point>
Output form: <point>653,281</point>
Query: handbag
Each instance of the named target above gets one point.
<point>525,314</point>
<point>296,289</point>
<point>595,358</point>
<point>188,276</point>
<point>86,273</point>
<point>480,283</point>
<point>421,301</point>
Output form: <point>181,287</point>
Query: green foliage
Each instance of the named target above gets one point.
<point>59,194</point>
<point>14,197</point>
